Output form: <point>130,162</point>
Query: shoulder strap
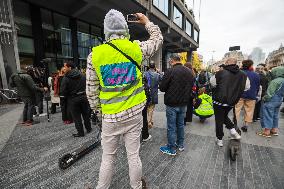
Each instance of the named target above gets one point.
<point>126,56</point>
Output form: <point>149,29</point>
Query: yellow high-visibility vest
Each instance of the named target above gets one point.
<point>120,80</point>
<point>206,106</point>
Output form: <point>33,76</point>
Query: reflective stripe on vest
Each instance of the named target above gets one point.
<point>121,99</point>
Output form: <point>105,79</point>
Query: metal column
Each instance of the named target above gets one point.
<point>14,34</point>
<point>2,70</point>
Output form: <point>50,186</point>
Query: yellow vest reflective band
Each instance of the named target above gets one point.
<point>205,108</point>
<point>120,80</point>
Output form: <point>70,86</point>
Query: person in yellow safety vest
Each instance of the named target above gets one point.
<point>115,91</point>
<point>203,106</point>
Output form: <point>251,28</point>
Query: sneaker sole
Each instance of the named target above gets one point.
<point>168,153</point>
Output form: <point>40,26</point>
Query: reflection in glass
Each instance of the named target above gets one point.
<point>87,38</point>
<point>63,36</point>
<point>188,27</point>
<point>48,33</point>
<point>177,17</point>
<point>22,18</point>
<point>196,33</point>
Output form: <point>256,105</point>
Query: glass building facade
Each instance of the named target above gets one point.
<point>57,37</point>
<point>22,18</point>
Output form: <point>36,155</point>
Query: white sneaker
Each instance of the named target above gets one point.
<point>42,114</point>
<point>236,136</point>
<point>146,139</point>
<point>219,143</point>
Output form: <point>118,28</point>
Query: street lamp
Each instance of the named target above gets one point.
<point>212,56</point>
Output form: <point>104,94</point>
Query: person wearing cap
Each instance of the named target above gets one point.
<point>227,87</point>
<point>115,91</point>
<point>73,89</point>
<point>153,79</point>
<point>177,84</point>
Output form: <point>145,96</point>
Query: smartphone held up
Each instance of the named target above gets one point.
<point>132,18</point>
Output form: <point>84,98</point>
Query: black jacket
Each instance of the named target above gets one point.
<point>73,84</point>
<point>230,85</point>
<point>177,85</point>
<point>263,83</point>
<point>25,85</point>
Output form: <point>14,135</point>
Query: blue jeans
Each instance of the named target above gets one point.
<point>269,114</point>
<point>175,125</point>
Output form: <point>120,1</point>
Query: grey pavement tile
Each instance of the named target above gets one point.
<point>257,178</point>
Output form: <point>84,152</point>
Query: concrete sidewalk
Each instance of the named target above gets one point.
<point>29,158</point>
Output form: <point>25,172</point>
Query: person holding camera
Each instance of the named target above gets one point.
<point>115,90</point>
<point>27,89</point>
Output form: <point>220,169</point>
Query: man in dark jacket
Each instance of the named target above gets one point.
<point>73,88</point>
<point>227,87</point>
<point>177,84</point>
<point>26,90</point>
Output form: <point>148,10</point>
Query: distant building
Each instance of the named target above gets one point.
<point>232,54</point>
<point>257,56</point>
<point>275,58</point>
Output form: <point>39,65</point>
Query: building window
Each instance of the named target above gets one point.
<point>26,45</point>
<point>196,33</point>
<point>63,39</point>
<point>22,18</point>
<point>48,34</point>
<point>178,17</point>
<point>88,37</point>
<point>188,27</point>
<point>57,39</point>
<point>162,5</point>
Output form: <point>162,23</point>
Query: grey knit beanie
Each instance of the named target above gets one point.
<point>115,23</point>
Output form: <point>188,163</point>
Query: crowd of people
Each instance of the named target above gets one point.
<point>123,97</point>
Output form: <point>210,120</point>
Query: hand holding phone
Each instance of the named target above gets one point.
<point>132,18</point>
<point>137,18</point>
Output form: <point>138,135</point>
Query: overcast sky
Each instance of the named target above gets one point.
<point>248,23</point>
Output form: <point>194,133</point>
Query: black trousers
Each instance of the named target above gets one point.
<point>39,101</point>
<point>221,117</point>
<point>189,111</point>
<point>53,108</point>
<point>28,109</point>
<point>145,132</point>
<point>256,113</point>
<point>79,106</point>
<point>66,114</point>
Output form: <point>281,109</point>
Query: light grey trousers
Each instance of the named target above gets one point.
<point>130,129</point>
